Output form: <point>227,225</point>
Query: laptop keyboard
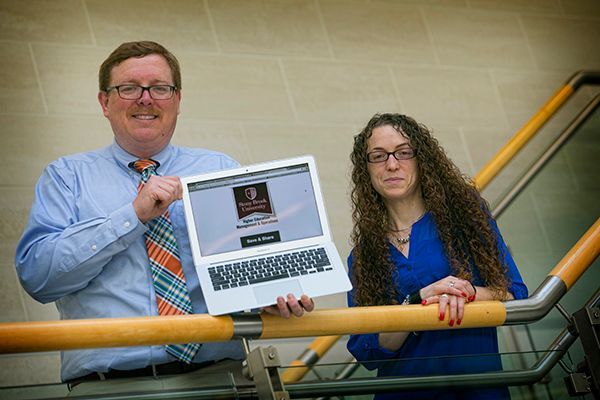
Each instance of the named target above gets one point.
<point>269,268</point>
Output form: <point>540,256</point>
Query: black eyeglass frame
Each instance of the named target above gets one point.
<point>395,153</point>
<point>172,89</point>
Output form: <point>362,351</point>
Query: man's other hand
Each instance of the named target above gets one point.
<point>156,195</point>
<point>285,307</point>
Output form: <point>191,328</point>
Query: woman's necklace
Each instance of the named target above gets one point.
<point>404,240</point>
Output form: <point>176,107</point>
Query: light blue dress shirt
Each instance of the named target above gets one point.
<point>84,249</point>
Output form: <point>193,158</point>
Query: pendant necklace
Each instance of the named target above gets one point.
<point>404,240</point>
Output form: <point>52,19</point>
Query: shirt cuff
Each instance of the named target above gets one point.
<point>372,347</point>
<point>126,223</point>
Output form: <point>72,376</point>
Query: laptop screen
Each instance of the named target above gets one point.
<point>254,209</point>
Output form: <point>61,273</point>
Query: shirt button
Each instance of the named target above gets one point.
<point>126,224</point>
<point>94,247</point>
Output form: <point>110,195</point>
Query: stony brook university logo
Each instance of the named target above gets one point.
<point>252,199</point>
<point>250,193</point>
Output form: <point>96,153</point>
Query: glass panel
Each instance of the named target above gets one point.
<point>326,372</point>
<point>34,392</point>
<point>221,385</point>
<point>202,385</point>
<point>540,226</point>
<point>505,361</point>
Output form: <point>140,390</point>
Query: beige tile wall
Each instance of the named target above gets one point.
<point>275,78</point>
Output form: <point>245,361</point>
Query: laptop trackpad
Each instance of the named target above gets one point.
<point>267,294</point>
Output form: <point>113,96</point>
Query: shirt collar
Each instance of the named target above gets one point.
<point>123,157</point>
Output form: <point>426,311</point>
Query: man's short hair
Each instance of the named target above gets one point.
<point>137,49</point>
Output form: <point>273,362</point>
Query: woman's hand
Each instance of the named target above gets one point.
<point>450,285</point>
<point>456,307</point>
<point>452,292</point>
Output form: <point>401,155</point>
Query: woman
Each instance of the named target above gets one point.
<point>423,234</point>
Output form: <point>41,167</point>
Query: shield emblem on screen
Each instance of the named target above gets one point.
<point>252,199</point>
<point>250,193</point>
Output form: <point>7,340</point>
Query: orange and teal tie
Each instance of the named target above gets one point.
<point>172,296</point>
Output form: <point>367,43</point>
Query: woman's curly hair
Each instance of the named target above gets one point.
<point>462,217</point>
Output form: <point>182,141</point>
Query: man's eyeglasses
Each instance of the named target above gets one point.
<point>379,156</point>
<point>134,92</point>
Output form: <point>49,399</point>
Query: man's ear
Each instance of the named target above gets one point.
<point>103,99</point>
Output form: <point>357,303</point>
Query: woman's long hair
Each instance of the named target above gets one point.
<point>461,215</point>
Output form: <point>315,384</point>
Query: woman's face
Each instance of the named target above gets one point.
<point>394,180</point>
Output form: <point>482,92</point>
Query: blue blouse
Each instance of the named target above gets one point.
<point>422,353</point>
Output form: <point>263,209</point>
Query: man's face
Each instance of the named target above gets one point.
<point>142,127</point>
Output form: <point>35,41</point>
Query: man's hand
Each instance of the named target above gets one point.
<point>294,306</point>
<point>156,195</point>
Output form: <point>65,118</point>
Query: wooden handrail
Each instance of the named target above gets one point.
<point>315,351</point>
<point>520,139</point>
<point>19,337</point>
<point>358,320</point>
<point>580,257</point>
<point>531,127</point>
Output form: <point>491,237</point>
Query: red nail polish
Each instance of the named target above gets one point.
<point>463,294</point>
<point>451,322</point>
<point>472,298</point>
<point>424,302</point>
<point>441,316</point>
<point>458,322</point>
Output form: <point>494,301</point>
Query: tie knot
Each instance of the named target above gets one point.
<point>146,167</point>
<point>144,164</point>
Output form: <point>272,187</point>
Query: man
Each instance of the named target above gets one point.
<point>92,222</point>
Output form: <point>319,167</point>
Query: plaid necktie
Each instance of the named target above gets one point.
<point>172,296</point>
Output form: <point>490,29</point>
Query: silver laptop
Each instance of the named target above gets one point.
<point>260,231</point>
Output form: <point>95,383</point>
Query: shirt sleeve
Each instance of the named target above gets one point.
<point>365,347</point>
<point>59,254</point>
<point>517,286</point>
